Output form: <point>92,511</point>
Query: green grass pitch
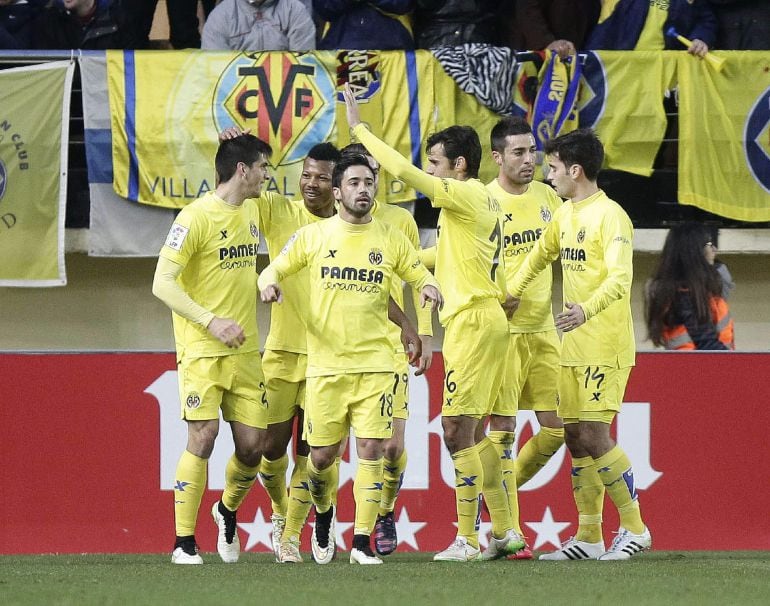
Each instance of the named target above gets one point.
<point>409,579</point>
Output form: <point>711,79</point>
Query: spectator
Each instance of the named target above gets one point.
<point>455,22</point>
<point>376,24</point>
<point>728,285</point>
<point>743,24</point>
<point>685,307</point>
<point>16,18</point>
<point>259,25</point>
<point>642,25</point>
<point>85,24</point>
<point>557,25</point>
<point>182,20</point>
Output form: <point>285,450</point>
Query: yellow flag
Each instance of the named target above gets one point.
<point>169,107</point>
<point>34,123</point>
<point>622,100</point>
<point>724,135</point>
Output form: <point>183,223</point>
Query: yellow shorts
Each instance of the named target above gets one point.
<point>531,375</point>
<point>335,403</point>
<point>284,383</point>
<point>475,350</point>
<point>401,387</point>
<point>591,393</point>
<point>233,383</point>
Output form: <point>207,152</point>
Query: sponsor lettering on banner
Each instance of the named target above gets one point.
<point>122,435</point>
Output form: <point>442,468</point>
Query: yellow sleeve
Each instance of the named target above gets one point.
<point>395,163</point>
<point>424,314</point>
<point>290,261</point>
<point>617,236</point>
<point>428,257</point>
<point>545,251</point>
<point>168,290</point>
<point>409,266</point>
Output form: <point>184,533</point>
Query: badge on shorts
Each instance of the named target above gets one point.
<point>193,400</point>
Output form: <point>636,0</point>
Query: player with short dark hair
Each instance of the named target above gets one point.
<point>593,236</point>
<point>352,260</point>
<point>206,274</point>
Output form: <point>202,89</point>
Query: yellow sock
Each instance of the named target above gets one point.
<point>299,499</point>
<point>320,483</point>
<point>536,453</point>
<point>239,479</point>
<point>273,474</point>
<point>469,477</point>
<point>588,492</point>
<point>392,476</point>
<point>614,469</point>
<point>503,442</point>
<point>367,493</point>
<point>189,484</point>
<point>335,481</point>
<point>493,488</point>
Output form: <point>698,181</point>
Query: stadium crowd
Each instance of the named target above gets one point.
<point>565,26</point>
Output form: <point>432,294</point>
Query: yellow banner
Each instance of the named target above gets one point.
<point>622,100</point>
<point>34,123</point>
<point>724,135</point>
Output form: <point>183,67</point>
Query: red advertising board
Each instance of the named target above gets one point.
<point>90,443</point>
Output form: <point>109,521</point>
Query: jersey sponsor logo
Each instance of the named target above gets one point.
<point>375,256</point>
<point>756,140</point>
<point>193,400</point>
<point>238,252</point>
<point>283,98</point>
<point>176,236</point>
<point>573,254</point>
<point>359,69</point>
<point>524,237</point>
<point>352,274</point>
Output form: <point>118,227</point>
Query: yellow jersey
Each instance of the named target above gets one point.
<point>525,217</point>
<point>351,271</point>
<point>594,238</point>
<point>216,245</point>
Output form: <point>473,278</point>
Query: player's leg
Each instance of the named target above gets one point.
<point>611,463</point>
<point>394,464</point>
<point>244,406</point>
<point>371,417</point>
<point>326,425</point>
<point>587,487</point>
<point>540,393</point>
<point>200,395</point>
<point>299,498</point>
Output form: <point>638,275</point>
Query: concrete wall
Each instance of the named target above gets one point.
<point>107,305</point>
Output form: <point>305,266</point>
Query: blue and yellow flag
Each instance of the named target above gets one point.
<point>622,100</point>
<point>34,124</point>
<point>169,107</point>
<point>555,111</point>
<point>724,135</point>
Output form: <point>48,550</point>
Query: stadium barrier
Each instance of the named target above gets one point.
<point>91,441</point>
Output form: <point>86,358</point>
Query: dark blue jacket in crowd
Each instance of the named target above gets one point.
<point>16,24</point>
<point>621,30</point>
<point>363,25</point>
<point>58,28</point>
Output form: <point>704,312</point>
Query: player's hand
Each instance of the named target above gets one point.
<point>411,342</point>
<point>510,305</point>
<point>271,293</point>
<point>351,106</point>
<point>228,331</point>
<point>699,48</point>
<point>564,48</point>
<point>433,295</point>
<point>571,318</point>
<point>426,359</point>
<point>232,132</point>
